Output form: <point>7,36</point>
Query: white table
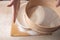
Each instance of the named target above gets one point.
<point>6,14</point>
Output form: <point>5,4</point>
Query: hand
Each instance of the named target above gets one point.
<point>16,6</point>
<point>58,3</point>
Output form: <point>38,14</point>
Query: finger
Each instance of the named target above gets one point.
<point>11,4</point>
<point>58,3</point>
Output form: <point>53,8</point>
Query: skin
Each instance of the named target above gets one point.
<point>16,5</point>
<point>58,3</point>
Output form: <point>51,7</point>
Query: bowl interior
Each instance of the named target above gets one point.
<point>45,16</point>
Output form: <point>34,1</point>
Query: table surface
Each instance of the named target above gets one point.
<point>6,14</point>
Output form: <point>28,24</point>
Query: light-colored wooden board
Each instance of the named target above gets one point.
<point>16,32</point>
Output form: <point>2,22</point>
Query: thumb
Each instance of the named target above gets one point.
<point>11,4</point>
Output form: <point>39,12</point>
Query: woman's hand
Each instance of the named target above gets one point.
<point>58,3</point>
<point>16,6</point>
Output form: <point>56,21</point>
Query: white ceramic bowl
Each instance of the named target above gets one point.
<point>42,16</point>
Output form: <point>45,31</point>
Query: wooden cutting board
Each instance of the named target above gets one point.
<point>16,32</point>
